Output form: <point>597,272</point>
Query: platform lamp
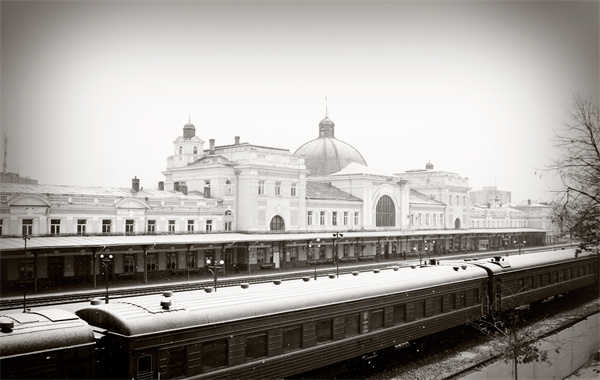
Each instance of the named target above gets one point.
<point>336,245</point>
<point>25,238</point>
<point>312,252</point>
<point>520,245</point>
<point>106,259</point>
<point>214,269</point>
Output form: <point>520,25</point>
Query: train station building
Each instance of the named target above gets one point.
<point>252,206</point>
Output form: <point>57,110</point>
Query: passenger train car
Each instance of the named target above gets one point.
<point>274,330</point>
<point>50,344</point>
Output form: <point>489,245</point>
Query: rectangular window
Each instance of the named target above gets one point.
<point>106,223</point>
<point>426,219</point>
<point>260,256</point>
<point>27,226</point>
<point>191,260</point>
<point>171,226</point>
<point>190,225</point>
<point>292,339</point>
<point>152,226</point>
<point>324,330</point>
<point>352,325</point>
<point>81,224</point>
<point>129,226</point>
<point>463,299</point>
<point>228,226</point>
<point>278,189</point>
<point>293,253</point>
<point>128,264</point>
<point>209,225</point>
<point>345,218</point>
<point>144,367</point>
<point>214,355</point>
<point>256,346</point>
<point>322,218</point>
<point>55,226</point>
<point>346,250</point>
<point>356,218</point>
<point>151,263</point>
<point>399,314</point>
<point>1,226</point>
<point>261,187</point>
<point>376,319</point>
<point>171,260</point>
<point>437,305</point>
<point>309,218</point>
<point>568,274</point>
<point>25,269</point>
<point>177,365</point>
<point>293,190</point>
<point>334,218</point>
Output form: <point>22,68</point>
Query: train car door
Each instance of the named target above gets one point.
<point>55,269</point>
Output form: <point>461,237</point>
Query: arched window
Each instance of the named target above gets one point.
<point>277,223</point>
<point>180,150</point>
<point>457,223</point>
<point>228,187</point>
<point>385,212</point>
<point>195,150</point>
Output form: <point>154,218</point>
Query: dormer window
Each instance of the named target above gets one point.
<point>195,150</point>
<point>180,150</point>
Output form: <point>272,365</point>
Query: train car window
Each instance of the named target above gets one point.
<point>420,309</point>
<point>144,369</point>
<point>437,305</point>
<point>352,325</point>
<point>568,274</point>
<point>399,314</point>
<point>292,339</point>
<point>324,330</point>
<point>214,355</point>
<point>530,282</point>
<point>546,279</point>
<point>177,363</point>
<point>376,319</point>
<point>463,299</point>
<point>256,346</point>
<point>554,278</point>
<point>521,285</point>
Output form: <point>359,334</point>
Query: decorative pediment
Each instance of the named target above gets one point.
<point>29,200</point>
<point>131,203</point>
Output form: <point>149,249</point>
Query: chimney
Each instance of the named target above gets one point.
<point>161,185</point>
<point>237,140</point>
<point>176,186</point>
<point>212,146</point>
<point>135,184</point>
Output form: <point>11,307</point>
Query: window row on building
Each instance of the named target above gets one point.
<point>277,188</point>
<point>333,218</point>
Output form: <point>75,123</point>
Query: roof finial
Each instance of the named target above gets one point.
<point>326,110</point>
<point>190,117</point>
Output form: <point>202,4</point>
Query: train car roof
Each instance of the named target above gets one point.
<point>504,264</point>
<point>145,315</point>
<point>34,331</point>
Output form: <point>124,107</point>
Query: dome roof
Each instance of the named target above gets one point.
<point>189,126</point>
<point>327,155</point>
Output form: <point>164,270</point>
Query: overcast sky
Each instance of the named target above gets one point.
<point>94,93</point>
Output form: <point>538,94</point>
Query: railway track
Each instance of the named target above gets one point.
<point>137,290</point>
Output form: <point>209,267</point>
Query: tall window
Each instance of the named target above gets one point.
<point>334,218</point>
<point>345,218</point>
<point>191,260</point>
<point>261,187</point>
<point>277,223</point>
<point>278,188</point>
<point>152,226</point>
<point>293,189</point>
<point>228,226</point>
<point>310,218</point>
<point>1,225</point>
<point>106,223</point>
<point>128,264</point>
<point>228,187</point>
<point>356,216</point>
<point>209,225</point>
<point>55,226</point>
<point>190,225</point>
<point>129,226</point>
<point>171,226</point>
<point>171,260</point>
<point>385,212</point>
<point>195,150</point>
<point>25,269</point>
<point>322,218</point>
<point>27,226</point>
<point>81,224</point>
<point>151,263</point>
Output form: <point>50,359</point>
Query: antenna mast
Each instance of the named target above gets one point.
<point>5,153</point>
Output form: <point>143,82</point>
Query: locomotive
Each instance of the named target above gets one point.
<point>274,330</point>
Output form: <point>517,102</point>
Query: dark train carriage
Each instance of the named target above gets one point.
<point>273,331</point>
<point>525,279</point>
<point>49,344</point>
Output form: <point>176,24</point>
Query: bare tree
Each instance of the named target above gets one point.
<point>577,205</point>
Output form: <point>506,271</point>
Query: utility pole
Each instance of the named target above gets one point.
<point>4,164</point>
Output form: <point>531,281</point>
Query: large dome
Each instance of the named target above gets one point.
<point>326,154</point>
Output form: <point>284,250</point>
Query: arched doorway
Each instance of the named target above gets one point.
<point>385,212</point>
<point>277,223</point>
<point>457,224</point>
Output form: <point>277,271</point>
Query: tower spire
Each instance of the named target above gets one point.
<point>326,109</point>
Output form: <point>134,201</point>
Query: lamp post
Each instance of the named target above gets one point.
<point>106,259</point>
<point>312,252</point>
<point>520,245</point>
<point>336,244</point>
<point>214,269</point>
<point>25,238</point>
